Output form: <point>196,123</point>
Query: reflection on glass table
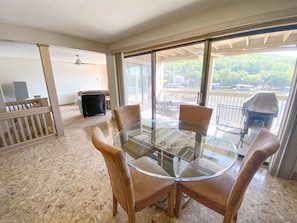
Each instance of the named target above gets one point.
<point>185,152</point>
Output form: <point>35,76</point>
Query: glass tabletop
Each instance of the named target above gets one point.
<point>185,152</point>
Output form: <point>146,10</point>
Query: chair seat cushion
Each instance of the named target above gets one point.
<point>138,146</point>
<point>147,164</point>
<point>147,189</point>
<point>213,192</point>
<point>201,167</point>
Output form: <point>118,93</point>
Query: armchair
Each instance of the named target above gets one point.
<point>92,104</point>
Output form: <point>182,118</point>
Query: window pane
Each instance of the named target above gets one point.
<point>178,77</point>
<point>138,82</point>
<point>245,69</point>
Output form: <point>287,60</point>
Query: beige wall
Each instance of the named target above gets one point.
<point>35,36</point>
<point>69,77</point>
<point>242,12</point>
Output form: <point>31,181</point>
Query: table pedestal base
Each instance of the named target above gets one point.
<point>163,204</point>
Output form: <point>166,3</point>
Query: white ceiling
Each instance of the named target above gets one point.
<point>105,21</point>
<point>21,50</point>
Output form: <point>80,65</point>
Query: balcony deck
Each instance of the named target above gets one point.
<point>168,103</point>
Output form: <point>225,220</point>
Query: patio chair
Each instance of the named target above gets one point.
<point>191,98</point>
<point>232,119</point>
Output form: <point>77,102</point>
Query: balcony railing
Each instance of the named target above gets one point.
<point>168,102</point>
<point>25,122</point>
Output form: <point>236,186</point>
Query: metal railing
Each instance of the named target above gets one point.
<point>168,102</point>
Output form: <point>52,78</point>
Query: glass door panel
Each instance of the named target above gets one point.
<point>251,71</point>
<point>178,78</point>
<point>138,82</point>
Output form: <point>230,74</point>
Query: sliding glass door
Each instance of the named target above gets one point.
<point>248,66</point>
<point>254,72</point>
<point>238,68</point>
<point>138,82</point>
<point>178,78</point>
<point>236,71</point>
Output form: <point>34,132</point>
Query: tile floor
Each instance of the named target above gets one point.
<point>65,180</point>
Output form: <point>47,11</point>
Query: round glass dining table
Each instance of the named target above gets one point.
<point>186,152</point>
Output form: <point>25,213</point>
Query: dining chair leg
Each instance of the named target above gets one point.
<point>170,201</point>
<point>131,218</point>
<point>114,205</point>
<point>235,218</point>
<point>230,218</point>
<point>178,202</point>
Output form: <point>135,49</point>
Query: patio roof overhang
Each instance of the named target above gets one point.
<point>283,41</point>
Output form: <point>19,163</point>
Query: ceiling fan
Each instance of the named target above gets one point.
<point>79,62</point>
